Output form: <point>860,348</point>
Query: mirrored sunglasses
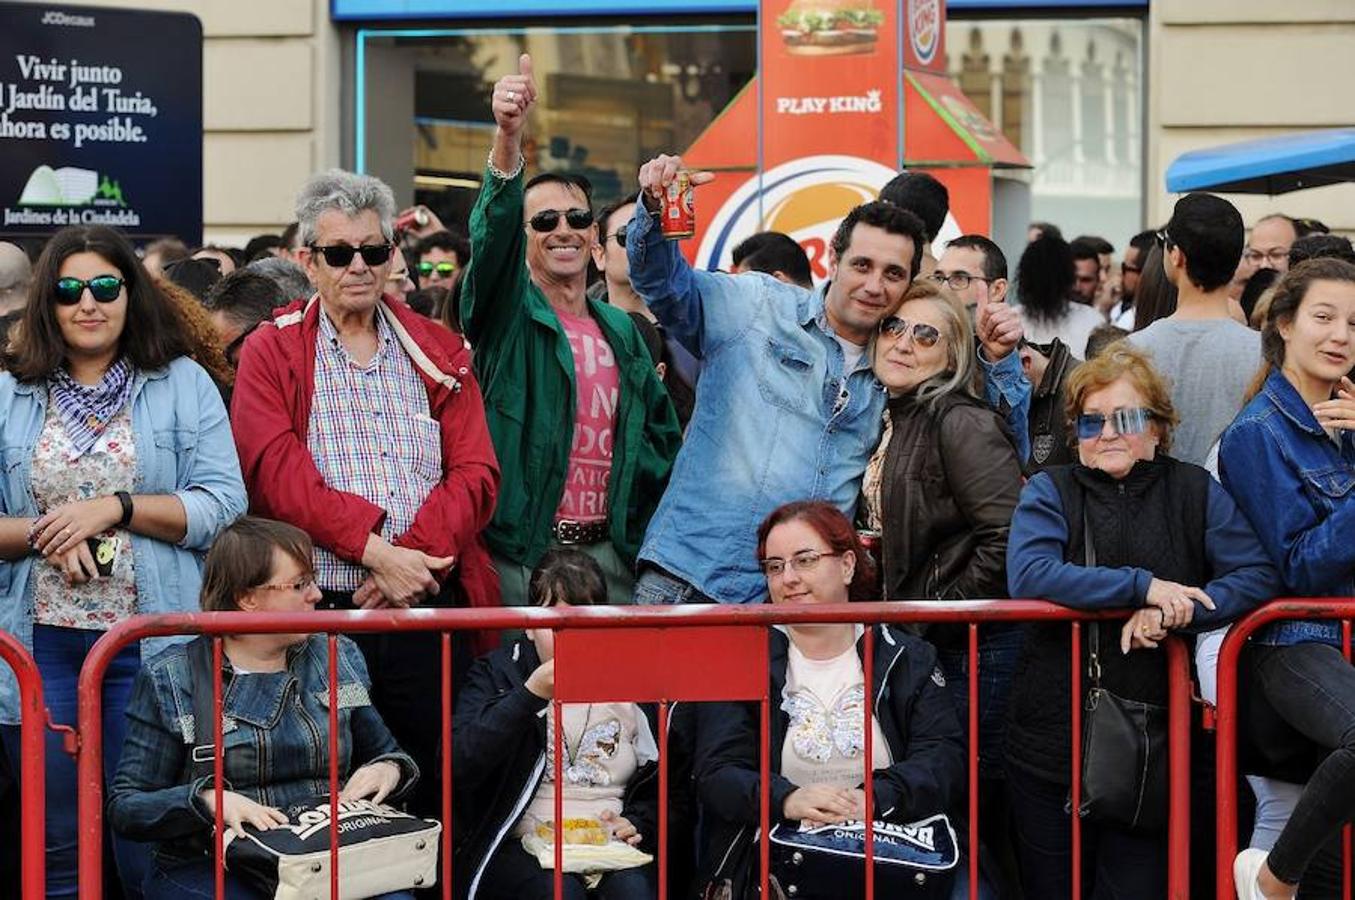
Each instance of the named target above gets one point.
<point>104,288</point>
<point>1122,422</point>
<point>443,269</point>
<point>924,335</point>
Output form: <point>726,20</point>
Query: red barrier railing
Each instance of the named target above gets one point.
<point>32,769</point>
<point>681,653</point>
<point>1227,718</point>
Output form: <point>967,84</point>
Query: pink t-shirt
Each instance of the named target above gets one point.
<point>590,456</point>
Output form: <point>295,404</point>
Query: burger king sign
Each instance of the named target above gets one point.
<point>925,22</point>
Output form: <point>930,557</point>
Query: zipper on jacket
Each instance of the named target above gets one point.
<point>532,784</point>
<point>312,727</point>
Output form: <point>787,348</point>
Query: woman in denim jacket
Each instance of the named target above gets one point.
<point>1289,461</point>
<point>275,709</point>
<point>118,471</point>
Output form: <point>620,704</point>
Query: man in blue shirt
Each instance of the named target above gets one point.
<point>788,407</point>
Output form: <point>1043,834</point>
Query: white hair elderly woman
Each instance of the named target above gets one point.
<point>359,422</point>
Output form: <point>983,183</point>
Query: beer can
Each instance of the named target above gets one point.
<point>870,542</point>
<point>679,209</point>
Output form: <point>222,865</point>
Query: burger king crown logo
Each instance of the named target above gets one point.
<point>924,28</point>
<point>804,198</point>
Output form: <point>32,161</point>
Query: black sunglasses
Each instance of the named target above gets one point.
<point>104,288</point>
<point>546,220</point>
<point>340,256</point>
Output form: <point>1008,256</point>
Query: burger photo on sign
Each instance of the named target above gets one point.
<point>830,27</point>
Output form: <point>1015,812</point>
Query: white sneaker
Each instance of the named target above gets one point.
<point>1246,868</point>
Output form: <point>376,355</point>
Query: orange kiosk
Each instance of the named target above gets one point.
<point>848,93</point>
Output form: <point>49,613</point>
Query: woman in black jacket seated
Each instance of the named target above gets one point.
<point>811,555</point>
<point>503,763</point>
<point>1169,544</point>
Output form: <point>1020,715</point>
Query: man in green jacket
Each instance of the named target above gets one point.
<point>582,426</point>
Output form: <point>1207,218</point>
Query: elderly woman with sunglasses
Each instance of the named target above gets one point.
<point>941,488</point>
<point>1167,542</point>
<point>119,473</point>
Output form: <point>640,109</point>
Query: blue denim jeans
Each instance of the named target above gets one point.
<point>999,650</point>
<point>59,653</point>
<point>656,587</point>
<point>197,881</point>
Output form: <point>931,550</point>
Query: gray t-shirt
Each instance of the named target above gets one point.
<point>1208,364</point>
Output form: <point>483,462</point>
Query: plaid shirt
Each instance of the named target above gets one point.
<point>371,435</point>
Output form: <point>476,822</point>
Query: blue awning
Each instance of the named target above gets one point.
<point>1275,165</point>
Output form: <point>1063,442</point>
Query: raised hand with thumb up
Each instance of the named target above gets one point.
<point>513,96</point>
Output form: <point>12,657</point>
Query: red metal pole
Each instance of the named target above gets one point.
<point>765,804</point>
<point>446,765</point>
<point>868,740</point>
<point>663,800</point>
<point>973,689</point>
<point>1178,742</point>
<point>558,876</point>
<point>1345,829</point>
<point>32,768</point>
<point>1075,786</point>
<point>334,765</point>
<point>218,773</point>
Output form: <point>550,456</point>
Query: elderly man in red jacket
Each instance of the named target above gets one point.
<point>360,422</point>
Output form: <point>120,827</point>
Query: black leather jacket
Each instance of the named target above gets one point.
<point>950,483</point>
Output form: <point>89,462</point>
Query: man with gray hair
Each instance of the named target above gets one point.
<point>15,273</point>
<point>360,422</point>
<point>288,276</point>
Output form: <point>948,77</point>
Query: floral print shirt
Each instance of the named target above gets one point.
<point>60,477</point>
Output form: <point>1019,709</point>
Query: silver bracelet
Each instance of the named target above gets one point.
<point>506,176</point>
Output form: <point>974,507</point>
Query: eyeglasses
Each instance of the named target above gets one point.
<point>340,256</point>
<point>1122,422</point>
<point>104,288</point>
<point>1126,268</point>
<point>620,235</point>
<point>956,281</point>
<point>804,561</point>
<point>924,335</point>
<point>443,269</point>
<point>546,220</point>
<point>1276,256</point>
<point>232,350</point>
<point>300,585</point>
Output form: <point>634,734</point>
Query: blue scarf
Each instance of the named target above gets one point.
<point>86,410</point>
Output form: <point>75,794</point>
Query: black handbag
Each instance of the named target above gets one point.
<point>1124,748</point>
<point>916,861</point>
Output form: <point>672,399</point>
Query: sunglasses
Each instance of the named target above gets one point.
<point>546,220</point>
<point>443,269</point>
<point>340,256</point>
<point>620,235</point>
<point>104,288</point>
<point>924,335</point>
<point>1122,422</point>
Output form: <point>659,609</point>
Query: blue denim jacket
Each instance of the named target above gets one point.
<point>1297,487</point>
<point>183,447</point>
<point>775,419</point>
<point>275,729</point>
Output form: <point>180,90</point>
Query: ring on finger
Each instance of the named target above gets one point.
<point>512,95</point>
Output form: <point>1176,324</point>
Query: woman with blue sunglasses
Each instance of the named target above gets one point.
<point>119,471</point>
<point>1126,527</point>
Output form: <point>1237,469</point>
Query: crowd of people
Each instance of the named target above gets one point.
<point>372,410</point>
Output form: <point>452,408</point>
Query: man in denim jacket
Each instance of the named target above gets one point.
<point>789,408</point>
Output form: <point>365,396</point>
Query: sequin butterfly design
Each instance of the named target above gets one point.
<point>816,731</point>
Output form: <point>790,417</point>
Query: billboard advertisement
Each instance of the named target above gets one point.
<point>100,121</point>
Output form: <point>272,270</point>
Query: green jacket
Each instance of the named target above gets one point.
<point>526,370</point>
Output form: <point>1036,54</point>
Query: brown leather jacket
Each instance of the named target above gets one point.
<point>950,484</point>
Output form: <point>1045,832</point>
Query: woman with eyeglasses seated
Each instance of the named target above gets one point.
<point>275,690</point>
<point>120,471</point>
<point>940,489</point>
<point>1168,544</point>
<point>811,556</point>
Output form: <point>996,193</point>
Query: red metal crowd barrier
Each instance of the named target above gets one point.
<point>676,653</point>
<point>1342,608</point>
<point>32,768</point>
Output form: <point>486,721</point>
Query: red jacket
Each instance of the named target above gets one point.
<point>270,412</point>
